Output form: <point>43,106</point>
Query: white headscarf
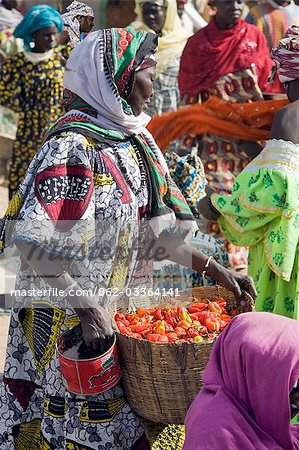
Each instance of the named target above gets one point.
<point>86,76</point>
<point>9,18</point>
<point>71,22</point>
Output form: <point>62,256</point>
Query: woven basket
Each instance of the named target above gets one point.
<point>161,380</point>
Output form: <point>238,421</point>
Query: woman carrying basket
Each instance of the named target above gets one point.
<point>96,189</point>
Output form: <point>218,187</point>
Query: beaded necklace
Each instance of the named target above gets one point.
<point>122,166</point>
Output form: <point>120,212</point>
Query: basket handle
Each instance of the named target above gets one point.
<point>217,290</point>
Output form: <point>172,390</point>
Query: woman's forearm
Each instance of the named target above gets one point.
<point>96,323</point>
<point>53,273</point>
<point>252,149</point>
<point>184,254</point>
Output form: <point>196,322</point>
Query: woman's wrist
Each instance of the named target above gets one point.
<point>207,209</point>
<point>213,270</point>
<point>215,213</point>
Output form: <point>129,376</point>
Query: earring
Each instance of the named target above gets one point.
<point>31,45</point>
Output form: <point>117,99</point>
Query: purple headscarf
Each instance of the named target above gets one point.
<point>244,403</point>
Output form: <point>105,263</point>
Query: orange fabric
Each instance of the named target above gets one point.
<point>245,121</point>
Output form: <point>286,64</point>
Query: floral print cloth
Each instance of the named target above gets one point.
<point>263,213</point>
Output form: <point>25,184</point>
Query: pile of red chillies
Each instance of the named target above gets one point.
<point>199,320</point>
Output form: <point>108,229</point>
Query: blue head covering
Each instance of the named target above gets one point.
<point>38,17</point>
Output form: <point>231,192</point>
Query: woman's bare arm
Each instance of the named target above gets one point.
<point>53,273</point>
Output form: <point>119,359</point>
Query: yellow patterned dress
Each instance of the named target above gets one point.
<point>32,90</point>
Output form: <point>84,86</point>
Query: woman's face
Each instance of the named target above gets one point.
<point>86,23</point>
<point>229,12</point>
<point>154,16</point>
<point>45,39</point>
<point>142,90</point>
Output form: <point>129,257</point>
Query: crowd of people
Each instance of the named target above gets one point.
<point>222,204</point>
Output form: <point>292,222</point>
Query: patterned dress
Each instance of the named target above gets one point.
<point>224,159</point>
<point>262,212</point>
<point>71,177</point>
<point>33,91</point>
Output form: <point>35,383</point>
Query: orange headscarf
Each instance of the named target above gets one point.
<point>246,121</point>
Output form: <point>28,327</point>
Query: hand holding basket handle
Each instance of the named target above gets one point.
<point>241,285</point>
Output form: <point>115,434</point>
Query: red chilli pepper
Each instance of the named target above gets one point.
<point>215,307</point>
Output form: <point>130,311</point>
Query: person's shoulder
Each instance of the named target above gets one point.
<point>227,433</point>
<point>197,40</point>
<point>69,146</point>
<point>17,58</point>
<point>198,34</point>
<point>285,123</point>
<point>72,137</point>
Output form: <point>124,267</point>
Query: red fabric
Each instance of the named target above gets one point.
<point>212,53</point>
<point>64,192</point>
<point>142,444</point>
<point>21,389</point>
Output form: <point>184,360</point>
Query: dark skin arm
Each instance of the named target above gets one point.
<point>186,255</point>
<point>89,312</point>
<point>252,149</point>
<point>205,206</point>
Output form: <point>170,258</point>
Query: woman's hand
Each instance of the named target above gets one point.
<point>206,208</point>
<point>233,281</point>
<point>252,149</point>
<point>97,325</point>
